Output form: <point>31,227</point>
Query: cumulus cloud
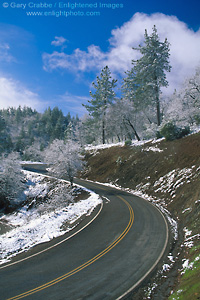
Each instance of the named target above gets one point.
<point>13,94</point>
<point>77,61</point>
<point>184,49</point>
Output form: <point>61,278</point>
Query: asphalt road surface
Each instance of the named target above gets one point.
<point>105,260</point>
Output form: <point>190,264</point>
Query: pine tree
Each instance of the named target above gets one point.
<point>150,70</point>
<point>102,98</point>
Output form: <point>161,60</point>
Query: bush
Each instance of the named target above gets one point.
<point>197,119</point>
<point>171,132</point>
<point>128,142</point>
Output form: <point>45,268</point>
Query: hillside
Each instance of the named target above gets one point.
<point>166,173</point>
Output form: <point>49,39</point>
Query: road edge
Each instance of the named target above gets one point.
<point>136,285</point>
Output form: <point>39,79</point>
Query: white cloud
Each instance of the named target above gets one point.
<point>59,41</point>
<point>184,49</point>
<point>13,94</point>
<point>78,61</point>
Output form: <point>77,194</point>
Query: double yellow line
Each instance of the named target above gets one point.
<point>86,264</point>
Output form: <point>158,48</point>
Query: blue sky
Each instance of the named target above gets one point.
<point>52,60</point>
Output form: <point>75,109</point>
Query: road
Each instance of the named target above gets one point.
<point>102,262</point>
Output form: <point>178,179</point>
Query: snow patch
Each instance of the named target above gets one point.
<point>189,239</point>
<point>186,266</point>
<point>187,209</point>
<point>170,182</point>
<point>103,146</point>
<point>153,149</point>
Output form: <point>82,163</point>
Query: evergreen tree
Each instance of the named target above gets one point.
<point>102,98</point>
<point>149,71</point>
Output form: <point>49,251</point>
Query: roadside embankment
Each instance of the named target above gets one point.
<point>166,173</point>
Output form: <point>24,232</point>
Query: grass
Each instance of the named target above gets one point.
<point>188,288</point>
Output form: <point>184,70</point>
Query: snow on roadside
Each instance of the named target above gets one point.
<point>121,144</point>
<point>31,227</point>
<point>103,146</point>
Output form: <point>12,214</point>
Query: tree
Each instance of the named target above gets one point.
<point>88,130</point>
<point>64,159</point>
<point>192,97</point>
<point>12,181</point>
<point>5,138</point>
<point>183,107</point>
<point>102,98</point>
<point>123,120</point>
<point>149,71</point>
<point>33,152</point>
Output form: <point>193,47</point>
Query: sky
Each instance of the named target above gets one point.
<point>52,51</point>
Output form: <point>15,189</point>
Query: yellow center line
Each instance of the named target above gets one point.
<point>86,264</point>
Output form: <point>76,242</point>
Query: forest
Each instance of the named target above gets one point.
<point>24,128</point>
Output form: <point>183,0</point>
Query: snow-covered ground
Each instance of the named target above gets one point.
<point>28,227</point>
<point>103,146</point>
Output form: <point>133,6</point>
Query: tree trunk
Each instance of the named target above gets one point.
<point>103,132</point>
<point>158,110</point>
<point>103,127</point>
<point>135,132</point>
<point>127,132</point>
<point>157,104</point>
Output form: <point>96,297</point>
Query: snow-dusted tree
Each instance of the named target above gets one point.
<point>183,107</point>
<point>87,131</point>
<point>149,71</point>
<point>115,132</point>
<point>33,152</point>
<point>192,97</point>
<point>64,158</point>
<point>102,98</point>
<point>174,111</point>
<point>131,102</point>
<point>12,182</point>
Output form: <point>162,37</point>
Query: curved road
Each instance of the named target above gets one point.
<point>102,262</point>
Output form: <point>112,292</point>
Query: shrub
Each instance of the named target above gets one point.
<point>128,142</point>
<point>171,132</point>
